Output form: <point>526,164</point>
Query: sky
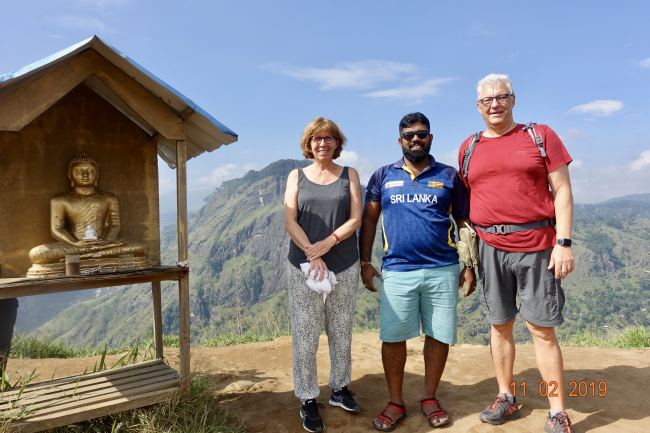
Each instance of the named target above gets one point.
<point>266,69</point>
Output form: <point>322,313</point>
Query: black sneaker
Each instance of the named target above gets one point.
<point>343,398</point>
<point>559,423</point>
<point>501,410</point>
<point>311,420</point>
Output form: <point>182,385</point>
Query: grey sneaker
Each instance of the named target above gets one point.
<point>501,410</point>
<point>343,398</point>
<point>559,423</point>
<point>311,420</point>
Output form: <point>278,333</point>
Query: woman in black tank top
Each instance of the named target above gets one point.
<point>322,211</point>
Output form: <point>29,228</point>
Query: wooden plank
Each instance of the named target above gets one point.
<point>94,411</point>
<point>183,254</point>
<point>155,112</point>
<point>92,378</point>
<point>81,402</point>
<point>37,286</point>
<point>157,318</point>
<point>22,105</point>
<point>86,389</point>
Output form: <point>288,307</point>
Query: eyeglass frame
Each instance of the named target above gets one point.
<point>414,134</point>
<point>492,98</point>
<point>323,138</point>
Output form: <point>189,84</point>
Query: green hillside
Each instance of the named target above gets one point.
<point>238,250</point>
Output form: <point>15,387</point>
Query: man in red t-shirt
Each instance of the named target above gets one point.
<point>521,252</point>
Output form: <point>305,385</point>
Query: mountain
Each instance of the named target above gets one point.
<point>634,197</point>
<point>238,250</point>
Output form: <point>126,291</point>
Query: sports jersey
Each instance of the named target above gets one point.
<point>417,230</point>
<point>507,178</point>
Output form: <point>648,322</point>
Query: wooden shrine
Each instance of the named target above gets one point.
<point>91,98</point>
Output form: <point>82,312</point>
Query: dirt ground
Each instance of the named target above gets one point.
<point>255,382</point>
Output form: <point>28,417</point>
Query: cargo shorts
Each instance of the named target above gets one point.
<point>504,275</point>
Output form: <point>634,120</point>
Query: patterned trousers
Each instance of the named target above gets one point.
<point>306,315</point>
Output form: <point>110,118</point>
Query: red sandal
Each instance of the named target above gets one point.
<point>432,414</point>
<point>393,424</point>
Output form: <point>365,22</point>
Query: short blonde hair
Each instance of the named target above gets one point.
<point>494,80</point>
<point>317,125</point>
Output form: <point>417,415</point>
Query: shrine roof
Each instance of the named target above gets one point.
<point>203,132</point>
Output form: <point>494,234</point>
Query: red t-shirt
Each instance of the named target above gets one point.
<point>508,180</point>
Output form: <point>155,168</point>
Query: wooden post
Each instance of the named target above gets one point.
<point>184,282</point>
<point>157,318</point>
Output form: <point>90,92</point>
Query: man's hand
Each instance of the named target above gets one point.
<point>562,261</point>
<point>320,248</point>
<point>467,276</point>
<point>321,269</point>
<point>367,273</point>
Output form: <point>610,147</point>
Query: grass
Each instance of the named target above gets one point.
<point>631,337</point>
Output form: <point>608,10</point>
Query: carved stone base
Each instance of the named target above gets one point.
<point>109,264</point>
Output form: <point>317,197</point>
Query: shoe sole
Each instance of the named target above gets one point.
<point>303,425</point>
<point>510,417</point>
<point>337,404</point>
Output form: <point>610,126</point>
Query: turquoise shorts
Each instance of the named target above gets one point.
<point>428,296</point>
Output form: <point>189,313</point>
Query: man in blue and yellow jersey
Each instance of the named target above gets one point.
<point>420,273</point>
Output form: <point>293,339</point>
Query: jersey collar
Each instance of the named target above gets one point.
<point>402,165</point>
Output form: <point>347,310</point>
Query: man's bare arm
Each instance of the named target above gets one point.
<point>562,257</point>
<point>371,213</point>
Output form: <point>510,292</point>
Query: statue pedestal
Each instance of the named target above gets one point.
<point>109,264</point>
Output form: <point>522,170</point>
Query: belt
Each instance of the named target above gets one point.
<point>504,229</point>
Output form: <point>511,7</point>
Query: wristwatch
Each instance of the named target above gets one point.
<point>564,242</point>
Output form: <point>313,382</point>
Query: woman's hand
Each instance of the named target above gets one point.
<point>321,269</point>
<point>319,249</point>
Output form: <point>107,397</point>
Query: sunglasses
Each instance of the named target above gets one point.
<point>408,136</point>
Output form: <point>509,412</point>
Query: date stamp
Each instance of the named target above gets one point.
<point>578,389</point>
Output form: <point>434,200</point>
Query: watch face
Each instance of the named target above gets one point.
<point>564,242</point>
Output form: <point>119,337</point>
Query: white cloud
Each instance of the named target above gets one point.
<point>364,166</point>
<point>167,184</point>
<point>645,63</point>
<point>642,163</point>
<point>55,36</point>
<point>426,88</point>
<point>599,108</point>
<point>97,3</point>
<point>574,134</point>
<point>594,185</point>
<point>359,75</point>
<point>82,22</point>
<point>225,172</point>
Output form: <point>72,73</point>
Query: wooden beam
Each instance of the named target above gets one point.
<point>22,105</point>
<point>157,318</point>
<point>183,254</point>
<point>17,287</point>
<point>139,99</point>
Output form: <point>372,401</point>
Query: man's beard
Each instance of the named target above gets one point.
<point>416,155</point>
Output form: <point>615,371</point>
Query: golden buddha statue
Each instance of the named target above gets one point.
<point>85,222</point>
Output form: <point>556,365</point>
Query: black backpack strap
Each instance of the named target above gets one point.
<point>536,136</point>
<point>469,150</point>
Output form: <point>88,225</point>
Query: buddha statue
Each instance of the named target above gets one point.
<point>86,222</point>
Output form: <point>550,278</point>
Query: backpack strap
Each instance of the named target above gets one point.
<point>536,136</point>
<point>469,150</point>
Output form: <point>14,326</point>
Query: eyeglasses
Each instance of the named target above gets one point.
<point>408,136</point>
<point>329,139</point>
<point>500,99</point>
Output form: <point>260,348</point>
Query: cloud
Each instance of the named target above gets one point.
<point>574,134</point>
<point>599,108</point>
<point>426,88</point>
<point>97,3</point>
<point>82,22</point>
<point>225,172</point>
<point>642,163</point>
<point>645,63</point>
<point>55,36</point>
<point>359,75</point>
<point>594,185</point>
<point>167,184</point>
<point>364,166</point>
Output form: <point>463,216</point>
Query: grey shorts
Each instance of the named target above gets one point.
<point>505,275</point>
